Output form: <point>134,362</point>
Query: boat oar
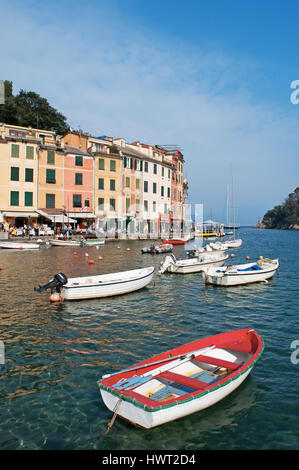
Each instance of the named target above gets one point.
<point>178,360</point>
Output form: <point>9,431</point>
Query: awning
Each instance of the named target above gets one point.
<point>61,218</point>
<point>20,214</point>
<point>82,215</point>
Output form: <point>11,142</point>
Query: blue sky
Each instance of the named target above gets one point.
<point>211,77</point>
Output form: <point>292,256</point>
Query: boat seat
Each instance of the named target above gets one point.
<point>217,362</point>
<point>182,379</point>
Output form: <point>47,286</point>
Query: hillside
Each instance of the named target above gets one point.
<point>285,216</point>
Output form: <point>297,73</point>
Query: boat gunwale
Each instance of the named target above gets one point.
<point>197,394</point>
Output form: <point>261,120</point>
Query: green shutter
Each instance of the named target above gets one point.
<point>50,176</point>
<point>162,190</point>
<point>28,199</point>
<point>29,152</point>
<point>51,157</point>
<point>14,173</point>
<point>79,161</point>
<point>125,162</point>
<point>29,175</point>
<point>162,170</point>
<point>100,203</point>
<point>78,178</point>
<point>15,150</point>
<point>14,198</point>
<point>112,165</point>
<point>101,164</point>
<point>101,183</point>
<point>137,183</point>
<point>127,182</point>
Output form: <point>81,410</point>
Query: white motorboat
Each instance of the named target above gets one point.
<point>68,242</point>
<point>19,246</point>
<point>94,242</point>
<point>102,285</point>
<point>235,243</point>
<point>242,273</point>
<point>193,265</point>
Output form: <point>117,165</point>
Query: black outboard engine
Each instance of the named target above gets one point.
<point>191,253</point>
<point>57,283</point>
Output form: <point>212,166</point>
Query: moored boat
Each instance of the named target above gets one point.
<point>176,241</point>
<point>193,265</point>
<point>247,273</point>
<point>102,285</point>
<point>157,249</point>
<point>94,242</point>
<point>183,380</point>
<point>68,242</point>
<point>235,243</point>
<point>19,246</point>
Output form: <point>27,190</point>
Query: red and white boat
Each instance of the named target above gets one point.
<point>176,241</point>
<point>183,380</point>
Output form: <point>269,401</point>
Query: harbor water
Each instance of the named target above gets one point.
<point>56,352</point>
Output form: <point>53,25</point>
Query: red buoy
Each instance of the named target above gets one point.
<point>91,261</point>
<point>247,257</point>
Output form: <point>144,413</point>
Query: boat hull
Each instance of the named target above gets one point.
<point>91,242</point>
<point>65,242</point>
<point>137,404</point>
<point>235,278</point>
<point>94,288</point>
<point>19,246</point>
<point>196,267</point>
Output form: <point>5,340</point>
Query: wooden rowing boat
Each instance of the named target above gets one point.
<point>183,380</point>
<point>19,246</point>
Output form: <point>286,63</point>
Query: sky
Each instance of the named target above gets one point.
<point>212,78</point>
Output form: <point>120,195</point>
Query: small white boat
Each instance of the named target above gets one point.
<point>94,242</point>
<point>235,243</point>
<point>102,285</point>
<point>193,265</point>
<point>242,273</point>
<point>62,242</point>
<point>183,380</point>
<point>19,246</point>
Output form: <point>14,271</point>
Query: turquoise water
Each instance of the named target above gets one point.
<point>55,353</point>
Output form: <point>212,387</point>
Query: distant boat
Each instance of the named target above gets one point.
<point>102,285</point>
<point>176,241</point>
<point>242,273</point>
<point>19,246</point>
<point>157,249</point>
<point>193,265</point>
<point>94,241</point>
<point>183,380</point>
<point>233,243</point>
<point>67,242</point>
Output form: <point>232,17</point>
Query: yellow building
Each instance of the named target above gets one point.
<point>19,152</point>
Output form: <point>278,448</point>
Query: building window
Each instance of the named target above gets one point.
<point>29,175</point>
<point>127,182</point>
<point>112,185</point>
<point>28,198</point>
<point>162,169</point>
<point>155,188</point>
<point>127,203</point>
<point>78,178</point>
<point>50,201</point>
<point>51,157</point>
<point>137,183</point>
<point>29,152</point>
<point>77,200</point>
<point>145,186</point>
<point>137,205</point>
<point>86,203</point>
<point>50,176</point>
<point>14,198</point>
<point>145,205</point>
<point>146,166</point>
<point>15,150</point>
<point>155,168</point>
<point>101,164</point>
<point>14,173</point>
<point>169,174</point>
<point>112,205</point>
<point>79,161</point>
<point>162,191</point>
<point>101,183</point>
<point>112,165</point>
<point>168,192</point>
<point>101,204</point>
<point>154,206</point>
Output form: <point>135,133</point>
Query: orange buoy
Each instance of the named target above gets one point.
<point>232,255</point>
<point>75,253</point>
<point>247,257</point>
<point>55,297</point>
<point>76,256</point>
<point>91,261</point>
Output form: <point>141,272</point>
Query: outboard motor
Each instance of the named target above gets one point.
<point>57,283</point>
<point>169,260</point>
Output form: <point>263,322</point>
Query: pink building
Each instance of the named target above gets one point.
<point>78,184</point>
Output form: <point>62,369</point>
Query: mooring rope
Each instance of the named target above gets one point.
<point>110,424</point>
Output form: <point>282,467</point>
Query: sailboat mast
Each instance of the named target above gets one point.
<point>234,209</point>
